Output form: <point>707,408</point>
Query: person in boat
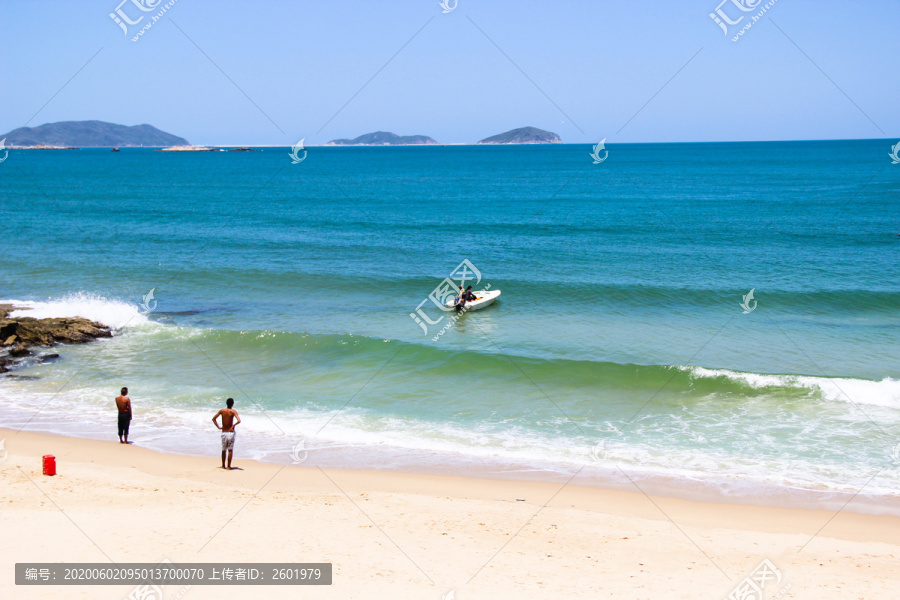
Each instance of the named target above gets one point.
<point>466,295</point>
<point>460,300</point>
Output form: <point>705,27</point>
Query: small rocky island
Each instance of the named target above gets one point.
<point>384,138</point>
<point>66,134</point>
<point>523,135</point>
<point>19,335</point>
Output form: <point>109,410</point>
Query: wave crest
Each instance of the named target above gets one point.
<point>885,392</point>
<point>114,313</point>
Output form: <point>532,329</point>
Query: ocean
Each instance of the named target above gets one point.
<point>622,350</point>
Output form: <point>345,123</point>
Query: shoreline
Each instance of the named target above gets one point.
<point>600,478</point>
<point>621,501</point>
<point>392,535</point>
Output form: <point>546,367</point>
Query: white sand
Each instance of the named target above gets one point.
<point>394,535</point>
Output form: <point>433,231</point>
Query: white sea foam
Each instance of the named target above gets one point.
<point>112,312</point>
<point>839,389</point>
<point>681,447</point>
<point>360,439</point>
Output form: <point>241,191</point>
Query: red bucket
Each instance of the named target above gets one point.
<point>49,464</point>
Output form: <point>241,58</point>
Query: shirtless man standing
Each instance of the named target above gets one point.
<point>228,416</point>
<point>123,403</point>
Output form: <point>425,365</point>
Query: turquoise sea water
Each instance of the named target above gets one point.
<point>619,344</point>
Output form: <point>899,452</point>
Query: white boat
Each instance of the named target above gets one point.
<point>483,299</point>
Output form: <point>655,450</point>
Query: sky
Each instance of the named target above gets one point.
<point>270,72</point>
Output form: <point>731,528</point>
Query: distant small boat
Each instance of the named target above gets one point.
<point>115,149</point>
<point>483,299</point>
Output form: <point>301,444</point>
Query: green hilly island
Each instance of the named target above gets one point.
<point>383,138</point>
<point>523,135</point>
<point>91,133</point>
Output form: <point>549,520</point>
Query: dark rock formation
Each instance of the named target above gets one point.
<point>28,331</point>
<point>18,335</point>
<point>18,351</point>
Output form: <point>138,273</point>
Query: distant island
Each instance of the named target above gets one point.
<point>523,135</point>
<point>90,133</point>
<point>383,138</point>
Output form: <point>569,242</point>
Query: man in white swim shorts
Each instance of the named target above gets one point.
<point>230,420</point>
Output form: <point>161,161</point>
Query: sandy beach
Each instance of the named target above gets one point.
<point>396,535</point>
<point>491,300</point>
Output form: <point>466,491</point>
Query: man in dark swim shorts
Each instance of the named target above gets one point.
<point>123,403</point>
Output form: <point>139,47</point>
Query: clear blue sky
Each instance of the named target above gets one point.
<point>593,65</point>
